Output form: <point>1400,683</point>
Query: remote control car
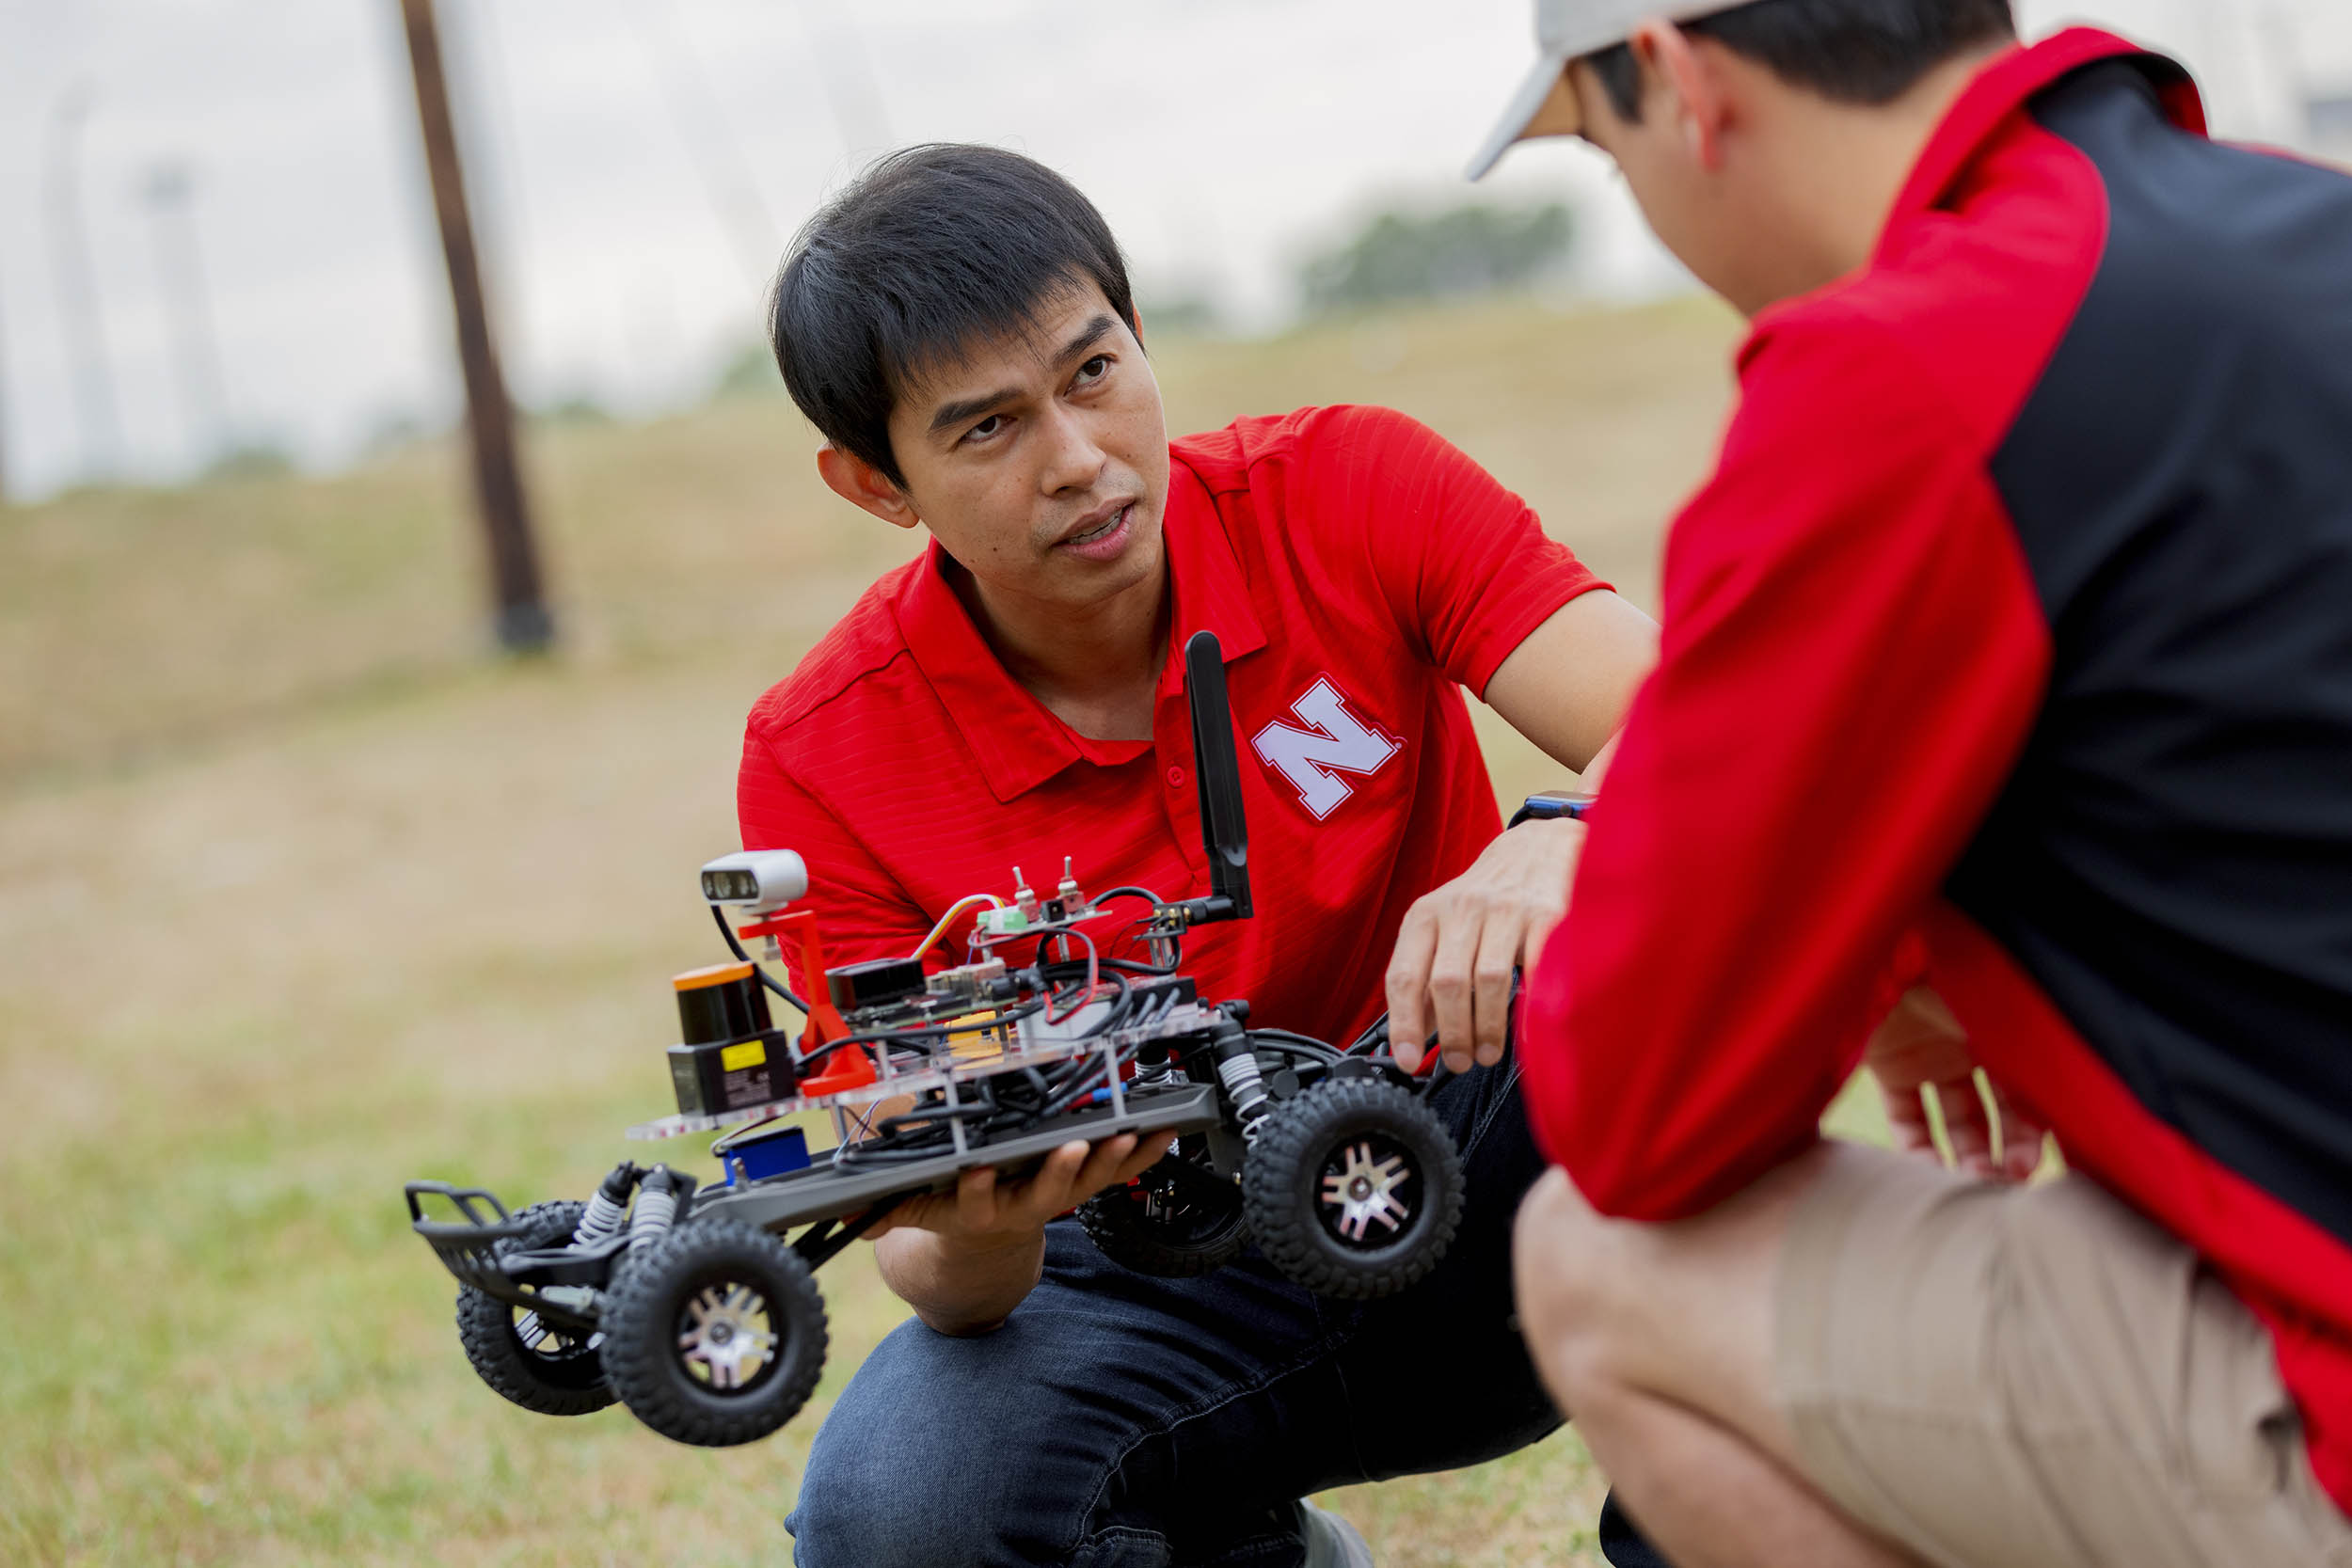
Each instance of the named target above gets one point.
<point>696,1305</point>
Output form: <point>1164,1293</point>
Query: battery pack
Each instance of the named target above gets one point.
<point>757,1159</point>
<point>722,1076</point>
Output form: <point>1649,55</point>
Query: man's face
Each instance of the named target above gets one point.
<point>1668,182</point>
<point>1703,194</point>
<point>1039,461</point>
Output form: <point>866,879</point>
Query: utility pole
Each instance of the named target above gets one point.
<point>524,624</point>
<point>77,287</point>
<point>167,192</point>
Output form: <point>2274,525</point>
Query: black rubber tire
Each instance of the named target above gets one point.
<point>645,1311</point>
<point>1185,1244</point>
<point>555,1376</point>
<point>1298,1229</point>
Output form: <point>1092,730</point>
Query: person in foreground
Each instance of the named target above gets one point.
<point>2003,722</point>
<point>958,326</point>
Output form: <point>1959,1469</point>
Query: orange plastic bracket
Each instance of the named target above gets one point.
<point>804,952</point>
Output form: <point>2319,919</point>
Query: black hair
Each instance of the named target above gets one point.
<point>932,252</point>
<point>1849,50</point>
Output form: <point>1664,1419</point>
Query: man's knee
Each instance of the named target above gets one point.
<point>1574,1281</point>
<point>907,1471</point>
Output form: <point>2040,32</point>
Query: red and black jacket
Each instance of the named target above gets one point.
<point>2015,629</point>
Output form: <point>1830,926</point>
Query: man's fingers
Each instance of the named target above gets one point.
<point>1498,947</point>
<point>1047,1193</point>
<point>2021,1139</point>
<point>976,1201</point>
<point>1966,1127</point>
<point>1408,985</point>
<point>1449,988</point>
<point>1907,1118</point>
<point>1150,1151</point>
<point>1101,1166</point>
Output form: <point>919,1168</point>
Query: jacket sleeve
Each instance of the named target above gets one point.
<point>861,911</point>
<point>1853,653</point>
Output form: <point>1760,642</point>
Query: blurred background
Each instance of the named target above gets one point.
<point>306,889</point>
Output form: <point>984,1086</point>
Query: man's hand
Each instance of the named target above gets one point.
<point>984,1211</point>
<point>965,1259</point>
<point>1922,1046</point>
<point>1459,946</point>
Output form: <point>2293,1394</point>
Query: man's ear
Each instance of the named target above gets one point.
<point>1680,82</point>
<point>861,484</point>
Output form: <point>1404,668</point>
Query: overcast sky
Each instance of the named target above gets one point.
<point>637,165</point>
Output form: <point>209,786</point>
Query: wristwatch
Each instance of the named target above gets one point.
<point>1550,806</point>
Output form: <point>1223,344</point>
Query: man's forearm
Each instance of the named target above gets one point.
<point>959,1286</point>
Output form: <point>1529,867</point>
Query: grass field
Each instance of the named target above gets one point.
<point>301,895</point>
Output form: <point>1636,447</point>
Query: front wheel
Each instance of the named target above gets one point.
<point>714,1334</point>
<point>1352,1189</point>
<point>532,1363</point>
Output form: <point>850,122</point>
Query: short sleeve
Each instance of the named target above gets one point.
<point>861,909</point>
<point>1463,563</point>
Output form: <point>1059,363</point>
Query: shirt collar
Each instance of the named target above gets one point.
<point>2002,87</point>
<point>1016,741</point>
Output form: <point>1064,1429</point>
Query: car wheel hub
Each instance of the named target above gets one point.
<point>723,1335</point>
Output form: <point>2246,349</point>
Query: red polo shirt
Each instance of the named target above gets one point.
<point>1358,571</point>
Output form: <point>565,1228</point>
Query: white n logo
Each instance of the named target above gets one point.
<point>1334,740</point>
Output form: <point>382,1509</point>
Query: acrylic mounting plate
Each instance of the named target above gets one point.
<point>944,1070</point>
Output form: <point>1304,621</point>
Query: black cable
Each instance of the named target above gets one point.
<point>1296,1044</point>
<point>765,978</point>
<point>911,1036</point>
<point>1137,966</point>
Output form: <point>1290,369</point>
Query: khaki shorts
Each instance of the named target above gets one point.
<point>2012,1378</point>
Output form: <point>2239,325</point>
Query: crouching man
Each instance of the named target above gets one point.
<point>2006,669</point>
<point>958,325</point>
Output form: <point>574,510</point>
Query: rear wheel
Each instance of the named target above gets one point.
<point>1353,1188</point>
<point>715,1335</point>
<point>535,1365</point>
<point>1175,1225</point>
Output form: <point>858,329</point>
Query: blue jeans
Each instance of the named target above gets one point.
<point>1121,1421</point>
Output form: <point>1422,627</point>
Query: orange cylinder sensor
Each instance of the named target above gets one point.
<point>722,1061</point>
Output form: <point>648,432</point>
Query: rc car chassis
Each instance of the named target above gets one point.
<point>688,1302</point>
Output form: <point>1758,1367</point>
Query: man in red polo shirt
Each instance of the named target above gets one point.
<point>958,326</point>
<point>2006,659</point>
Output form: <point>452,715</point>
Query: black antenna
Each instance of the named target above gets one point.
<point>1224,830</point>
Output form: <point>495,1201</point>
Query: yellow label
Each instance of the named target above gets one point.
<point>750,1054</point>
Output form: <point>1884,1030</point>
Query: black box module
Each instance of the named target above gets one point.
<point>717,1077</point>
<point>723,1063</point>
<point>874,982</point>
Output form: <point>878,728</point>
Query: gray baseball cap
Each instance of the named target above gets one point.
<point>1566,30</point>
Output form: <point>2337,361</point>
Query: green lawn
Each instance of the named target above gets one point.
<point>301,895</point>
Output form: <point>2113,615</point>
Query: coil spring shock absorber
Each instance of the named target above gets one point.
<point>657,1206</point>
<point>1151,1065</point>
<point>607,1211</point>
<point>1237,1065</point>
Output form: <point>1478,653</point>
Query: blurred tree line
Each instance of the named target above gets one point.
<point>1472,250</point>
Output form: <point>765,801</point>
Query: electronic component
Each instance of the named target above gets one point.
<point>722,1061</point>
<point>724,1002</point>
<point>968,983</point>
<point>756,1159</point>
<point>763,880</point>
<point>873,983</point>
